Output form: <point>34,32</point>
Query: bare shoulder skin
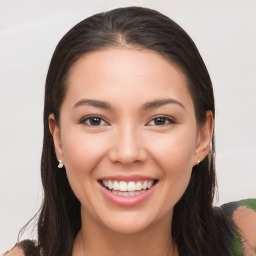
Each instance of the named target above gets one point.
<point>15,251</point>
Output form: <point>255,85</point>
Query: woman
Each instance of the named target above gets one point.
<point>128,154</point>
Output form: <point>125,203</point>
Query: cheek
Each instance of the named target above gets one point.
<point>82,151</point>
<point>177,171</point>
<point>174,155</point>
<point>174,152</point>
<point>82,154</point>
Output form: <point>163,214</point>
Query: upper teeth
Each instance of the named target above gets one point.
<point>127,186</point>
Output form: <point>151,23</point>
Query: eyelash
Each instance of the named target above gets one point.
<point>90,118</point>
<point>98,119</point>
<point>164,118</point>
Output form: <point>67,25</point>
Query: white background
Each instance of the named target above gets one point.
<point>225,33</point>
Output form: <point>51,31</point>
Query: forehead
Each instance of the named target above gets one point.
<point>126,73</point>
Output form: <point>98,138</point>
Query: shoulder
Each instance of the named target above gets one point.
<point>15,251</point>
<point>23,248</point>
<point>243,215</point>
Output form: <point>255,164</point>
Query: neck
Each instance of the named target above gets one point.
<point>97,240</point>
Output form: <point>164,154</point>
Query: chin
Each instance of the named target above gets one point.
<point>127,223</point>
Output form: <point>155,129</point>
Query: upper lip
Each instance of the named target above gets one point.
<point>127,178</point>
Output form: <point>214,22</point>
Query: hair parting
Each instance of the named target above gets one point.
<point>195,222</point>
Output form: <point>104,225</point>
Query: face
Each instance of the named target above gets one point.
<point>128,138</point>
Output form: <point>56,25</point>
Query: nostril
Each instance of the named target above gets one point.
<point>127,147</point>
<point>125,156</point>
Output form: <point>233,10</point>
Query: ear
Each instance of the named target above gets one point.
<point>204,138</point>
<point>55,131</point>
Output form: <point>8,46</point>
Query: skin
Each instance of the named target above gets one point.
<point>127,141</point>
<point>130,142</point>
<point>16,251</point>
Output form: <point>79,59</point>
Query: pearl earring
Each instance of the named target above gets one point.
<point>60,165</point>
<point>198,162</point>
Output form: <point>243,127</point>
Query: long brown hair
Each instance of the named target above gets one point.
<point>195,226</point>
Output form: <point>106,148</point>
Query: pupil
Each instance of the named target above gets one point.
<point>95,121</point>
<point>160,121</point>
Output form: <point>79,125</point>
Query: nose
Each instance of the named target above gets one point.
<point>127,146</point>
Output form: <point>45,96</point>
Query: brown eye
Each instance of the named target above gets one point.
<point>160,121</point>
<point>93,121</point>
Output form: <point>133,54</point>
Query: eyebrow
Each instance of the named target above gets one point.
<point>94,103</point>
<point>146,106</point>
<point>159,103</point>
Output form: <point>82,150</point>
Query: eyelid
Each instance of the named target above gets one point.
<point>168,118</point>
<point>85,118</point>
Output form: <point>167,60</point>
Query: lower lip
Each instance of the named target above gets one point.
<point>126,201</point>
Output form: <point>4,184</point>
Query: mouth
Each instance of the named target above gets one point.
<point>127,188</point>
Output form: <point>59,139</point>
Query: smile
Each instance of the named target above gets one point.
<point>130,188</point>
<point>127,193</point>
